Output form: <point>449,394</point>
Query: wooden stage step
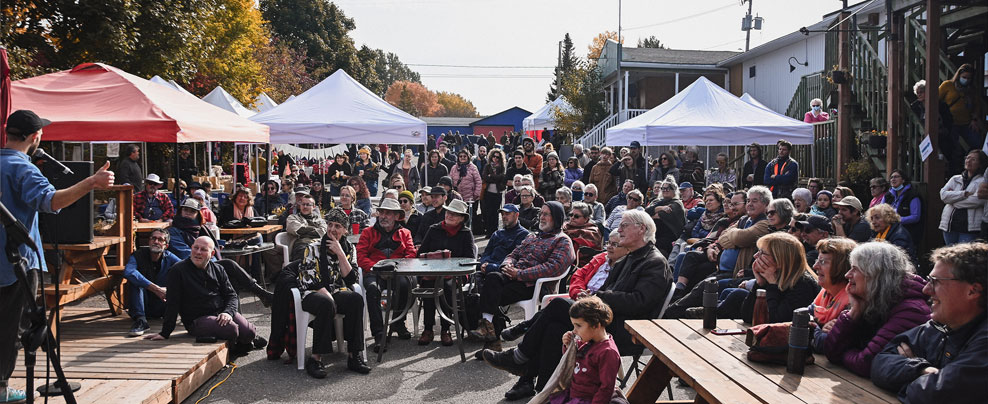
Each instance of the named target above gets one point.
<point>115,369</point>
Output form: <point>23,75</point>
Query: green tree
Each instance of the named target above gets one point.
<point>405,101</point>
<point>390,69</point>
<point>567,60</point>
<point>584,89</point>
<point>317,27</point>
<point>455,105</point>
<point>650,42</point>
<point>233,32</point>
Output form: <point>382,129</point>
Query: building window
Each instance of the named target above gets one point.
<point>751,72</point>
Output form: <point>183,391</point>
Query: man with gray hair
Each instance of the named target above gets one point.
<point>200,291</point>
<point>582,157</point>
<point>147,279</point>
<point>634,289</point>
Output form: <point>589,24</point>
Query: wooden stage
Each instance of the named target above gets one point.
<point>115,369</point>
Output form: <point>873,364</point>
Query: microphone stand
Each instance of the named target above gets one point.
<point>37,334</point>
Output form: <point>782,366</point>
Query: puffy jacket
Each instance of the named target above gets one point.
<point>368,254</point>
<point>502,243</point>
<point>573,175</point>
<point>470,185</point>
<point>578,282</point>
<point>952,195</point>
<point>854,343</point>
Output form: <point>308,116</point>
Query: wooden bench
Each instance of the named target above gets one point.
<point>80,260</point>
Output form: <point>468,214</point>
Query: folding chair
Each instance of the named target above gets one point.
<point>636,362</point>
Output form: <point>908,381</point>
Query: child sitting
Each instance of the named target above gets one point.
<point>597,358</point>
<point>823,207</point>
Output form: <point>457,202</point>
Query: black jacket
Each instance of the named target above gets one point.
<point>428,219</point>
<point>431,175</point>
<point>757,171</point>
<point>461,245</point>
<point>781,303</point>
<point>194,293</point>
<point>635,289</point>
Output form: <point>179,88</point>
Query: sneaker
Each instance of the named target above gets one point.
<point>446,338</point>
<point>265,297</point>
<point>505,361</point>
<point>138,329</point>
<point>357,364</point>
<point>524,388</point>
<point>513,333</point>
<point>426,337</point>
<point>12,395</point>
<point>239,350</point>
<point>259,342</point>
<point>315,368</point>
<point>484,331</point>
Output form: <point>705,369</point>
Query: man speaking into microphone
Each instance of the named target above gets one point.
<point>24,191</point>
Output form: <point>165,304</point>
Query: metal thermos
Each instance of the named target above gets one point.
<point>799,339</point>
<point>710,303</point>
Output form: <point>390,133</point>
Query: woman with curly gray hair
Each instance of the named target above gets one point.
<point>886,299</point>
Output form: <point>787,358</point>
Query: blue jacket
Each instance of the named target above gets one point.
<point>502,243</point>
<point>572,175</point>
<point>958,354</point>
<point>132,274</point>
<point>783,184</point>
<point>25,192</point>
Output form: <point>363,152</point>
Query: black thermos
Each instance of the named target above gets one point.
<point>710,303</point>
<point>799,338</point>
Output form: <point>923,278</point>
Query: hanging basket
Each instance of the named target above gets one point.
<point>877,141</point>
<point>840,77</point>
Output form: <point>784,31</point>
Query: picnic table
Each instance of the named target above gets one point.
<point>717,368</point>
<point>439,268</point>
<point>73,285</point>
<point>249,231</point>
<point>144,230</point>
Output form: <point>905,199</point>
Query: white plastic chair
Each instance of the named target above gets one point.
<point>532,306</point>
<point>283,241</point>
<point>302,329</point>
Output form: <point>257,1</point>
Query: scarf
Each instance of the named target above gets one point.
<point>462,167</point>
<point>451,230</point>
<point>709,219</point>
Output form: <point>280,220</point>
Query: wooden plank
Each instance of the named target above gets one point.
<point>654,378</point>
<point>722,359</point>
<point>184,386</point>
<point>826,376</point>
<point>112,391</point>
<point>708,381</point>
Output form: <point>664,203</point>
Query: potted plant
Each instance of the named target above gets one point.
<point>858,173</point>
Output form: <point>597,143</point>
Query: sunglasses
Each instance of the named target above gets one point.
<point>404,201</point>
<point>590,194</point>
<point>635,199</point>
<point>667,188</point>
<point>771,212</point>
<point>573,216</point>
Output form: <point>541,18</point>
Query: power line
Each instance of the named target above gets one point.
<point>725,43</point>
<point>480,66</point>
<point>728,5</point>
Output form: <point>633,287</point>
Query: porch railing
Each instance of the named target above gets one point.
<point>825,150</point>
<point>598,134</point>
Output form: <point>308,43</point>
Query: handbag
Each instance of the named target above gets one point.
<point>769,343</point>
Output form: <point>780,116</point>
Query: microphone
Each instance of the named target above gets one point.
<point>40,154</point>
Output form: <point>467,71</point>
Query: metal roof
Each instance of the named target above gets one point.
<point>675,56</point>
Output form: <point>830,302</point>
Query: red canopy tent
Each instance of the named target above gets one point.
<point>95,102</point>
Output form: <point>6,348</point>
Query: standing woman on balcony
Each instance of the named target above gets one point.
<point>967,109</point>
<point>962,211</point>
<point>816,114</point>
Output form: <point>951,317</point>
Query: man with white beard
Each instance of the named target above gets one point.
<point>146,272</point>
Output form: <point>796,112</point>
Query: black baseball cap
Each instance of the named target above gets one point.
<point>816,222</point>
<point>636,145</point>
<point>22,123</point>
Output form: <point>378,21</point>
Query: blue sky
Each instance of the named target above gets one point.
<point>525,34</point>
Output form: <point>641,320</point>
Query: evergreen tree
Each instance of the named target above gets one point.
<point>650,42</point>
<point>567,62</point>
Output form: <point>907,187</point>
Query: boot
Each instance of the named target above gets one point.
<point>484,332</point>
<point>357,364</point>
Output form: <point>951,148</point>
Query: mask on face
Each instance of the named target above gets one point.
<point>963,81</point>
<point>816,108</point>
<point>577,195</point>
<point>898,188</point>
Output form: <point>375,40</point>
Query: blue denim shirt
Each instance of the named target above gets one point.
<point>25,192</point>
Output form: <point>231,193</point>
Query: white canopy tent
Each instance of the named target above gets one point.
<point>545,117</point>
<point>340,110</point>
<point>264,103</point>
<point>704,114</point>
<point>751,100</point>
<point>220,98</point>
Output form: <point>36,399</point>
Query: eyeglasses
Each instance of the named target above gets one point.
<point>667,188</point>
<point>875,186</point>
<point>307,204</point>
<point>526,195</point>
<point>934,281</point>
<point>590,194</point>
<point>821,261</point>
<point>613,244</point>
<point>631,198</point>
<point>157,238</point>
<point>771,212</point>
<point>575,216</point>
<point>404,201</point>
<point>577,190</point>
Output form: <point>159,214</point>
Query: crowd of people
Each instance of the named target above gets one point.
<point>629,231</point>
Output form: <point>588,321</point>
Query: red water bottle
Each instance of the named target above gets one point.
<point>760,313</point>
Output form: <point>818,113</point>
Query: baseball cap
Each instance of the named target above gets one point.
<point>23,123</point>
<point>851,202</point>
<point>636,145</point>
<point>815,222</point>
<point>685,184</point>
<point>509,207</point>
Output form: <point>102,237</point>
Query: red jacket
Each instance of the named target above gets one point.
<point>367,255</point>
<point>578,282</point>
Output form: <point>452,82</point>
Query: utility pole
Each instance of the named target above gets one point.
<point>619,56</point>
<point>559,68</point>
<point>747,36</point>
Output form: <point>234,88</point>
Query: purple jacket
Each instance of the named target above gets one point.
<point>854,343</point>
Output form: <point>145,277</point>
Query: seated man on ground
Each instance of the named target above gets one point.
<point>635,288</point>
<point>199,291</point>
<point>386,239</point>
<point>943,360</point>
<point>326,285</point>
<point>305,226</point>
<point>548,253</point>
<point>146,272</point>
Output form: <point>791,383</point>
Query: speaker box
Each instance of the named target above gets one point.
<point>74,223</point>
